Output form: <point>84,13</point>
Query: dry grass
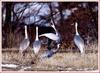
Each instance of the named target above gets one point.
<point>58,62</point>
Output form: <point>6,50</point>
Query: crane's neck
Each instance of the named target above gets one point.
<point>76,29</point>
<point>26,35</point>
<point>37,33</point>
<point>55,29</point>
<point>56,32</point>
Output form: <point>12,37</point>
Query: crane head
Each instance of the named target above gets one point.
<point>25,26</point>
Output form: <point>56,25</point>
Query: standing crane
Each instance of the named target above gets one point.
<point>25,43</point>
<point>79,42</point>
<point>37,43</point>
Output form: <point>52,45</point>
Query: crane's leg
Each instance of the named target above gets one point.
<point>20,53</point>
<point>82,52</point>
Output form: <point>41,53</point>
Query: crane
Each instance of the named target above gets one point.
<point>79,42</point>
<point>57,33</point>
<point>25,43</point>
<point>37,43</point>
<point>52,36</point>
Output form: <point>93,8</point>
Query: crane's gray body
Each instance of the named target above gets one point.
<point>79,42</point>
<point>24,44</point>
<point>36,46</point>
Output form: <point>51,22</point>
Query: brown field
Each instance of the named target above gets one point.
<point>61,61</point>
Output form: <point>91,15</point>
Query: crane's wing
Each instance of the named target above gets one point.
<point>51,36</point>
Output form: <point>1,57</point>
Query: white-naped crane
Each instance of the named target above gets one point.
<point>37,43</point>
<point>57,33</point>
<point>54,37</point>
<point>79,42</point>
<point>25,43</point>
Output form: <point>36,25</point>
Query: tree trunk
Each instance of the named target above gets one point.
<point>7,24</point>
